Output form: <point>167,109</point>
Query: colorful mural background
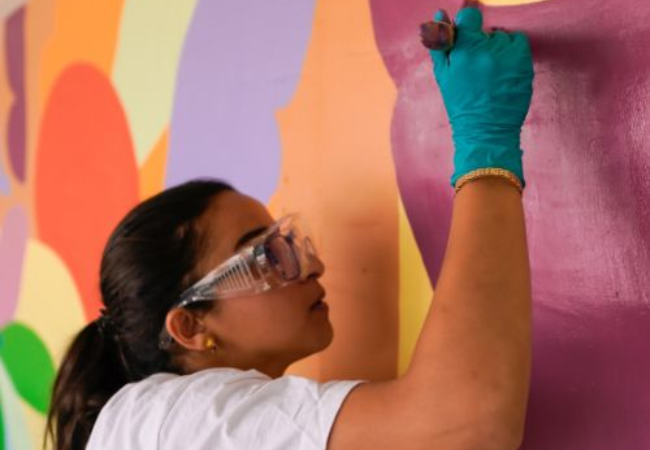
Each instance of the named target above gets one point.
<point>328,107</point>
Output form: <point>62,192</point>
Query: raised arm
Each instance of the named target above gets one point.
<point>472,361</point>
<point>467,385</point>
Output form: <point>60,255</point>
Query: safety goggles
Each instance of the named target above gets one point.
<point>282,255</point>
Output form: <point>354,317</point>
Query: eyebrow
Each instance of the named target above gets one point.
<point>248,236</point>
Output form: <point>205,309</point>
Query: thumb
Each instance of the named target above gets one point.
<point>438,36</point>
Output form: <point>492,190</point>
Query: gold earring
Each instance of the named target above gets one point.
<point>210,344</point>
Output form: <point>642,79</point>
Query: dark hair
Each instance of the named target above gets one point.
<point>150,258</point>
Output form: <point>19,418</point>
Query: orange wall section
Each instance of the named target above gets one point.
<point>338,171</point>
<point>60,33</point>
<point>152,172</point>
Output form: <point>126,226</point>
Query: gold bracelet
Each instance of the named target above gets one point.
<point>487,172</point>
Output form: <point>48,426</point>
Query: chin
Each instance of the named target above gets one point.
<point>326,343</point>
<point>328,337</point>
<point>319,342</point>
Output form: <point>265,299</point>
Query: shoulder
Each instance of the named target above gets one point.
<point>244,409</point>
<point>147,405</point>
<point>168,385</point>
<point>296,400</point>
<point>248,409</point>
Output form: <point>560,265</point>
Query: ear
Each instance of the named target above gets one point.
<point>187,329</point>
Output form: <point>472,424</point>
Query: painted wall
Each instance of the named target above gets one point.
<point>586,158</point>
<point>328,107</point>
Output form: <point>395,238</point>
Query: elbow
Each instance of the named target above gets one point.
<point>479,436</point>
<point>495,431</point>
<point>502,424</point>
<point>504,441</point>
<point>499,437</point>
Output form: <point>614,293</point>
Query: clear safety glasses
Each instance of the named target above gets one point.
<point>283,254</point>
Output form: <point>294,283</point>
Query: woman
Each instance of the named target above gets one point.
<point>208,299</point>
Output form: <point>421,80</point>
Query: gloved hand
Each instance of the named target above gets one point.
<point>486,84</point>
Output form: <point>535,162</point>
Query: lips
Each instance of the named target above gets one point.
<point>319,299</point>
<point>316,303</point>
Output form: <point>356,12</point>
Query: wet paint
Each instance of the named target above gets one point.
<point>587,159</point>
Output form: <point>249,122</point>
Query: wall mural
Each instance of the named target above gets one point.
<point>586,153</point>
<point>329,108</point>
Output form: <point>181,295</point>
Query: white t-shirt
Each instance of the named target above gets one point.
<point>220,409</point>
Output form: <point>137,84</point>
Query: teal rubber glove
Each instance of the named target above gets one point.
<point>486,82</point>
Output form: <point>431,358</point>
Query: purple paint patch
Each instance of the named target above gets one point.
<point>586,159</point>
<point>13,240</point>
<point>241,61</point>
<point>15,59</point>
<point>4,181</point>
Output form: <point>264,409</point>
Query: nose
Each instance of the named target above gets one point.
<point>316,268</point>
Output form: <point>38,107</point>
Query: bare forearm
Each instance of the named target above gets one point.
<point>472,360</point>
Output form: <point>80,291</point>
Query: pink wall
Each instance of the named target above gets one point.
<point>587,164</point>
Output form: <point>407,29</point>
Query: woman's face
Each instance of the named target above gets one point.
<point>271,330</point>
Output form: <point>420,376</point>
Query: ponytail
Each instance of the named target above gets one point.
<point>149,259</point>
<point>91,372</point>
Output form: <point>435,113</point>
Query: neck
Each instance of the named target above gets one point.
<point>196,361</point>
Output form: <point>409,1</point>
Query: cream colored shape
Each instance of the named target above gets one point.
<point>35,422</point>
<point>510,2</point>
<point>14,422</point>
<point>144,73</point>
<point>8,7</point>
<point>49,301</point>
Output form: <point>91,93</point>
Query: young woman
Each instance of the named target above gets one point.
<point>208,299</point>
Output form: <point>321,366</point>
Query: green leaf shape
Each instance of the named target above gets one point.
<point>28,363</point>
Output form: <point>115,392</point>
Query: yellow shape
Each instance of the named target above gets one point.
<point>49,301</point>
<point>415,291</point>
<point>150,43</point>
<point>35,423</point>
<point>152,172</point>
<point>16,433</point>
<point>338,170</point>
